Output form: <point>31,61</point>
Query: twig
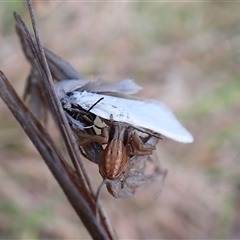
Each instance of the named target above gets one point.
<point>52,157</point>
<point>76,187</point>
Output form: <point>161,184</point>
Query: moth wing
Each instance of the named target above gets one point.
<point>153,116</point>
<point>125,87</point>
<point>69,85</point>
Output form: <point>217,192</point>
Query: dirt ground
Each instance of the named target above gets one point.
<point>186,54</point>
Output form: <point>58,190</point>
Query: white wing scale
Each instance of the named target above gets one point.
<point>150,115</point>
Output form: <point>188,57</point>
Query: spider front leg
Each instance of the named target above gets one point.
<point>89,138</point>
<point>137,147</point>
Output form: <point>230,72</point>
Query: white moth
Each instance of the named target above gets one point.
<point>151,116</point>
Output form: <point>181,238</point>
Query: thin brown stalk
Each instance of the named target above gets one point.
<point>75,182</point>
<point>54,160</point>
<point>56,105</point>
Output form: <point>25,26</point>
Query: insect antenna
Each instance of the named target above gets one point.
<point>99,100</point>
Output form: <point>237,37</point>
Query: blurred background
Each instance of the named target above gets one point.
<point>185,54</point>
